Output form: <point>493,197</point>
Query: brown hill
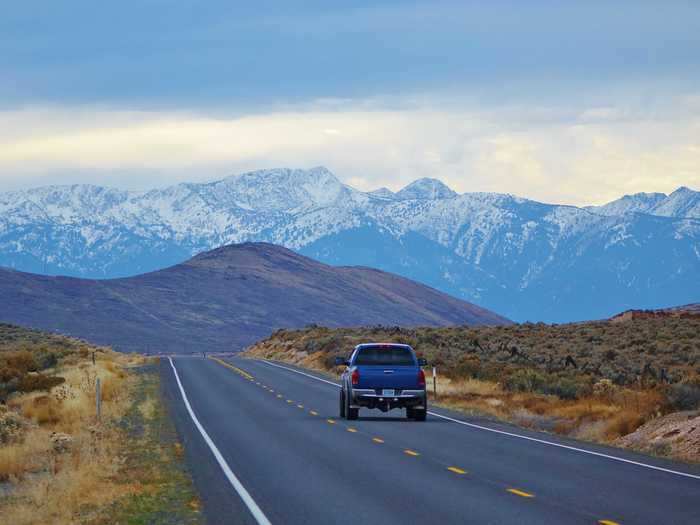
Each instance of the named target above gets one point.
<point>224,300</point>
<point>685,311</point>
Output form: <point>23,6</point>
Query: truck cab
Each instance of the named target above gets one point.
<point>384,376</point>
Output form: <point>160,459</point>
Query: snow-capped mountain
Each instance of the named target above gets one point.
<point>683,202</point>
<point>521,258</point>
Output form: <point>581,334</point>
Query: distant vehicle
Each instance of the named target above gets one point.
<point>383,376</point>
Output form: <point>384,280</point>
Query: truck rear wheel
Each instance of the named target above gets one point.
<point>350,413</point>
<point>341,411</point>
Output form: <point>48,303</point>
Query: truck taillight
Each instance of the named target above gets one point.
<point>421,378</point>
<point>355,378</point>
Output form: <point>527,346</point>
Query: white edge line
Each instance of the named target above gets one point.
<point>237,485</point>
<point>519,436</point>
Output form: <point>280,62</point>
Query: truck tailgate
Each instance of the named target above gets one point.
<point>388,377</point>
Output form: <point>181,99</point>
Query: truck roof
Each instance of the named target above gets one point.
<point>400,345</point>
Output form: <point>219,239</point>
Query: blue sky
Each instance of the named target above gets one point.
<point>567,101</point>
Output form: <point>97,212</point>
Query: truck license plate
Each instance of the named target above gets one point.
<point>388,392</point>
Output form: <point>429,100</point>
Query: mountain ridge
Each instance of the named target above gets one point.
<point>526,259</point>
<point>225,299</point>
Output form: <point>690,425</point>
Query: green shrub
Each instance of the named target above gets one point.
<point>564,388</point>
<point>46,359</point>
<point>525,380</point>
<point>684,396</point>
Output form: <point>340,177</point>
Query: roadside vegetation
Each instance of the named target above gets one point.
<point>631,382</point>
<point>59,463</point>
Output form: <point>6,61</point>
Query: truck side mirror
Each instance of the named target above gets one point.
<point>340,361</point>
<point>422,361</point>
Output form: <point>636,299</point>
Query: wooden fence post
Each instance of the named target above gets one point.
<point>98,398</point>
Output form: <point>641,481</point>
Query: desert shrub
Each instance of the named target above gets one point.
<point>605,388</point>
<point>21,360</point>
<point>530,380</point>
<point>467,366</point>
<point>329,359</point>
<point>12,426</point>
<point>32,382</point>
<point>46,359</point>
<point>525,380</point>
<point>564,388</point>
<point>684,396</point>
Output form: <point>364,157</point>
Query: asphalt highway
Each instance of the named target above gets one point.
<point>265,445</point>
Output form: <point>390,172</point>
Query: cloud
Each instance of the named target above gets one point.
<point>574,155</point>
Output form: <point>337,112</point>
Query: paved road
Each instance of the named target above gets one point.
<point>265,444</point>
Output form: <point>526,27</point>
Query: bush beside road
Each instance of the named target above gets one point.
<point>597,381</point>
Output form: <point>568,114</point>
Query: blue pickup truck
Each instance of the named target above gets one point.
<point>383,376</point>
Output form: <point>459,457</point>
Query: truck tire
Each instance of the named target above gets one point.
<point>420,413</point>
<point>342,404</point>
<point>350,413</point>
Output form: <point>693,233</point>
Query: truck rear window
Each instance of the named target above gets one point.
<point>384,355</point>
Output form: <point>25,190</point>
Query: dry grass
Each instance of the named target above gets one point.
<point>59,463</point>
<point>18,459</point>
<point>54,484</point>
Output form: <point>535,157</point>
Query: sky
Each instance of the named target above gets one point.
<point>567,102</point>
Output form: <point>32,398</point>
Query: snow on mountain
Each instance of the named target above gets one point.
<point>429,189</point>
<point>521,258</point>
<point>683,202</point>
<point>384,193</point>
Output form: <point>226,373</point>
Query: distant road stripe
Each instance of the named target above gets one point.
<point>456,470</point>
<point>237,485</point>
<point>608,522</point>
<point>378,440</point>
<point>234,368</point>
<point>519,436</point>
<point>350,429</point>
<point>521,493</point>
<point>331,421</point>
<point>300,406</point>
<point>313,412</point>
<point>410,452</point>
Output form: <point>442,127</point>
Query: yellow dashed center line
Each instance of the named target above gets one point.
<point>350,429</point>
<point>280,396</point>
<point>331,421</point>
<point>410,452</point>
<point>313,412</point>
<point>456,470</point>
<point>300,406</point>
<point>378,440</point>
<point>521,493</point>
<point>234,368</point>
<point>290,401</point>
<point>608,522</point>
